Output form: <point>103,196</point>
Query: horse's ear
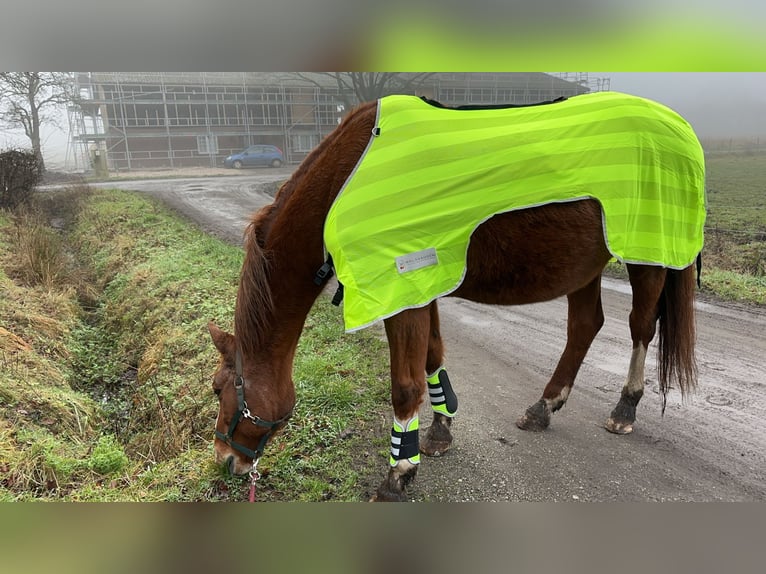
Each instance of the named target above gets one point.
<point>222,340</point>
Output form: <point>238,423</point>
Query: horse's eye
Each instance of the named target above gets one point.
<point>217,392</point>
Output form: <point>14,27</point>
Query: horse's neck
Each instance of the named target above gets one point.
<point>296,252</point>
<point>296,223</point>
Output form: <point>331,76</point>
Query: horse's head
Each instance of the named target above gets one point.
<point>250,409</point>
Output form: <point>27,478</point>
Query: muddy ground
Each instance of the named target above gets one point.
<point>710,447</point>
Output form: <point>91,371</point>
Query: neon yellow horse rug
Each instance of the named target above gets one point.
<point>399,230</point>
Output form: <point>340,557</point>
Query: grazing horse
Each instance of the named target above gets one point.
<point>514,256</point>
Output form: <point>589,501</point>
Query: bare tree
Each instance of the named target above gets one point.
<point>28,99</point>
<point>356,87</point>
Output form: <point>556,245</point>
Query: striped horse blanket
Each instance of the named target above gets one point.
<point>399,229</point>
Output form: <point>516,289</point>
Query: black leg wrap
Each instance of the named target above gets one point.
<point>404,444</point>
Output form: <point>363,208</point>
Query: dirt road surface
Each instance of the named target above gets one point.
<point>219,205</point>
<point>710,447</point>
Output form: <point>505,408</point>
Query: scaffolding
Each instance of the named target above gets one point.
<point>587,80</point>
<point>161,120</point>
<point>167,120</point>
<point>515,88</point>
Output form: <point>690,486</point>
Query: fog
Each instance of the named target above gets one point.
<point>719,105</point>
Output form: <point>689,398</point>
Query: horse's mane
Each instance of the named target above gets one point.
<point>255,306</point>
<point>254,312</point>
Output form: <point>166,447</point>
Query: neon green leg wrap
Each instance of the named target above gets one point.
<point>443,398</point>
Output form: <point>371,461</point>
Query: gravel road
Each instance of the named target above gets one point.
<point>710,447</point>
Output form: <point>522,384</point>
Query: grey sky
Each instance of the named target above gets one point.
<point>717,104</point>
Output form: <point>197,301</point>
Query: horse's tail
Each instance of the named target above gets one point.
<point>676,362</point>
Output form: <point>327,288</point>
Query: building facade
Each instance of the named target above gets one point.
<point>164,120</point>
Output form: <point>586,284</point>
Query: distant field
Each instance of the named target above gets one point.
<point>735,234</point>
<point>736,185</point>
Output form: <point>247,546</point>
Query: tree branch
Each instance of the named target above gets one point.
<point>26,96</point>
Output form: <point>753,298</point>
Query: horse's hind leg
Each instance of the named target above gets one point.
<point>438,437</point>
<point>647,283</point>
<point>407,335</point>
<point>585,318</point>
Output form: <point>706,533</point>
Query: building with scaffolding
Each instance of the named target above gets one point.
<point>164,120</point>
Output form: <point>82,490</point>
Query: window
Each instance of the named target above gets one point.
<point>304,142</point>
<point>207,144</point>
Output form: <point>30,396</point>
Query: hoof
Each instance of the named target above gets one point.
<point>388,496</point>
<point>438,438</point>
<point>616,427</point>
<point>392,487</point>
<point>623,416</point>
<point>537,418</point>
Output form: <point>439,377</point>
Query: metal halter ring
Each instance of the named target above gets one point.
<point>254,474</point>
<point>244,412</point>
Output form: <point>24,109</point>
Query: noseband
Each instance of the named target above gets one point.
<point>244,412</point>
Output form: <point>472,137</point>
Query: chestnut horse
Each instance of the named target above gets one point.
<point>557,249</point>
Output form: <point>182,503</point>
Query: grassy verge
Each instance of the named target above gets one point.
<point>106,395</point>
<point>46,427</point>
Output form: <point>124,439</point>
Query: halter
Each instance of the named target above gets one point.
<point>244,412</point>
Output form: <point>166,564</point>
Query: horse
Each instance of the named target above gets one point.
<point>517,257</point>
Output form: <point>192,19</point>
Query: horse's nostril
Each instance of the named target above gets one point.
<point>229,462</point>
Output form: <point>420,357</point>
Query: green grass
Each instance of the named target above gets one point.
<point>734,256</point>
<point>732,286</point>
<point>107,395</point>
<point>736,192</point>
<point>46,427</point>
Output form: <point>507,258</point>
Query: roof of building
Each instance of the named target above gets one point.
<point>532,80</point>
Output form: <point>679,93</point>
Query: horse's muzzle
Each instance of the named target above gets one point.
<point>231,462</point>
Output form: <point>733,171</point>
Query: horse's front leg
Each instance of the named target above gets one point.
<point>438,437</point>
<point>407,335</point>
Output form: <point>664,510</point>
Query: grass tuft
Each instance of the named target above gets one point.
<point>108,456</point>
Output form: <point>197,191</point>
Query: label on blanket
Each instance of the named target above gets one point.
<point>417,260</point>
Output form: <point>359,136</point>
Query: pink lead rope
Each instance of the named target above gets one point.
<point>254,476</point>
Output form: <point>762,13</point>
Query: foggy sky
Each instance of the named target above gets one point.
<point>717,104</point>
